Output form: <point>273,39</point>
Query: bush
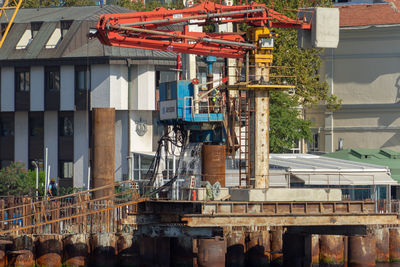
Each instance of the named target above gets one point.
<point>15,180</point>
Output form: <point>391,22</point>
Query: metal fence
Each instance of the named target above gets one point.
<point>97,210</point>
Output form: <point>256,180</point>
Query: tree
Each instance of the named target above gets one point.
<point>15,180</point>
<point>286,125</point>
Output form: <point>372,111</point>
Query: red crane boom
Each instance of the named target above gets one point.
<point>151,29</point>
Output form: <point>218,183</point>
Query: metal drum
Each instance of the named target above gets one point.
<point>211,252</point>
<point>213,162</point>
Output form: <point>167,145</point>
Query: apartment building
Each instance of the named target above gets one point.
<point>52,76</point>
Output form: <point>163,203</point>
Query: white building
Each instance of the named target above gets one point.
<point>364,71</point>
<point>52,76</point>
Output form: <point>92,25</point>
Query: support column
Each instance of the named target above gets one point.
<point>103,148</point>
<point>296,250</point>
<point>362,251</point>
<point>211,252</point>
<point>261,148</point>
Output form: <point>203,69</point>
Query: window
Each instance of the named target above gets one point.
<point>22,80</point>
<point>6,125</point>
<point>66,169</point>
<point>66,125</point>
<point>28,35</point>
<point>52,78</point>
<point>58,34</point>
<point>142,163</point>
<point>82,78</point>
<point>313,143</point>
<point>36,124</point>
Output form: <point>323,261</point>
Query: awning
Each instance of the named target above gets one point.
<point>378,178</point>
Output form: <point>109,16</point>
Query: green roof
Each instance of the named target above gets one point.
<point>382,157</point>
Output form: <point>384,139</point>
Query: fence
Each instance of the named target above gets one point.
<point>97,210</point>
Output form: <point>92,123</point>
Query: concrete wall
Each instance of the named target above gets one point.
<point>141,143</point>
<point>81,148</point>
<point>51,140</point>
<point>119,87</point>
<point>7,89</point>
<point>100,82</point>
<point>143,87</point>
<point>21,134</point>
<point>285,194</point>
<point>364,71</point>
<point>121,145</point>
<point>37,88</point>
<point>67,88</point>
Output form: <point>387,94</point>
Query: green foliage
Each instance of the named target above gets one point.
<point>15,180</point>
<point>151,5</point>
<point>56,3</point>
<point>32,181</point>
<point>286,126</point>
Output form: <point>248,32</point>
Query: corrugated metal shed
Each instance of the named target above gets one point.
<point>319,170</point>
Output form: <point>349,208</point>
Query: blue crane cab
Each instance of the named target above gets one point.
<point>204,118</point>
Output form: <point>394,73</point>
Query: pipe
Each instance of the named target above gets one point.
<point>45,172</point>
<point>206,16</point>
<point>181,36</point>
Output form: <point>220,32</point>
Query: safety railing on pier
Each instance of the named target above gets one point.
<point>97,210</point>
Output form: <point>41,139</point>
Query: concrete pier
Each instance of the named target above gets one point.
<point>49,250</point>
<point>76,250</point>
<point>276,245</point>
<point>382,245</point>
<point>362,251</point>
<point>103,249</point>
<point>256,247</point>
<point>394,247</point>
<point>331,249</point>
<point>315,249</point>
<point>235,254</point>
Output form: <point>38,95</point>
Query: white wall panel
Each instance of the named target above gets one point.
<point>141,143</point>
<point>119,87</point>
<point>67,91</point>
<point>121,144</point>
<point>81,148</point>
<point>144,86</point>
<point>7,89</point>
<point>51,140</point>
<point>21,137</point>
<point>100,82</point>
<point>37,88</point>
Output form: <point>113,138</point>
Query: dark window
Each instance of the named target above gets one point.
<point>52,79</point>
<point>66,169</point>
<point>22,80</point>
<point>66,125</point>
<point>6,136</point>
<point>6,124</point>
<point>65,25</point>
<point>35,27</point>
<point>82,81</point>
<point>82,86</point>
<point>36,124</point>
<point>36,135</point>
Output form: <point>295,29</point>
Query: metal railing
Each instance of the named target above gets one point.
<point>97,210</point>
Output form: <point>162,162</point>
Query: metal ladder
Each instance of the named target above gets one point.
<point>244,140</point>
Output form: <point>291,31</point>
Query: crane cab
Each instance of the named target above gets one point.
<point>178,104</point>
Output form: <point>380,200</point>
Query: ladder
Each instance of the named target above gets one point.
<point>245,163</point>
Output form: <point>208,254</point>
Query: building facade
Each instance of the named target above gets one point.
<point>52,76</point>
<point>364,71</point>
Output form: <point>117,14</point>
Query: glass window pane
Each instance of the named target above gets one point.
<point>145,162</point>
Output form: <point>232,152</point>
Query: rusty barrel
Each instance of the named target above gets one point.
<point>315,249</point>
<point>235,242</point>
<point>394,247</point>
<point>256,247</point>
<point>103,149</point>
<point>382,245</point>
<point>49,250</point>
<point>211,252</point>
<point>103,249</point>
<point>182,251</point>
<point>76,250</point>
<point>213,163</point>
<point>331,249</point>
<point>128,250</point>
<point>21,258</point>
<point>362,251</point>
<point>276,246</point>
